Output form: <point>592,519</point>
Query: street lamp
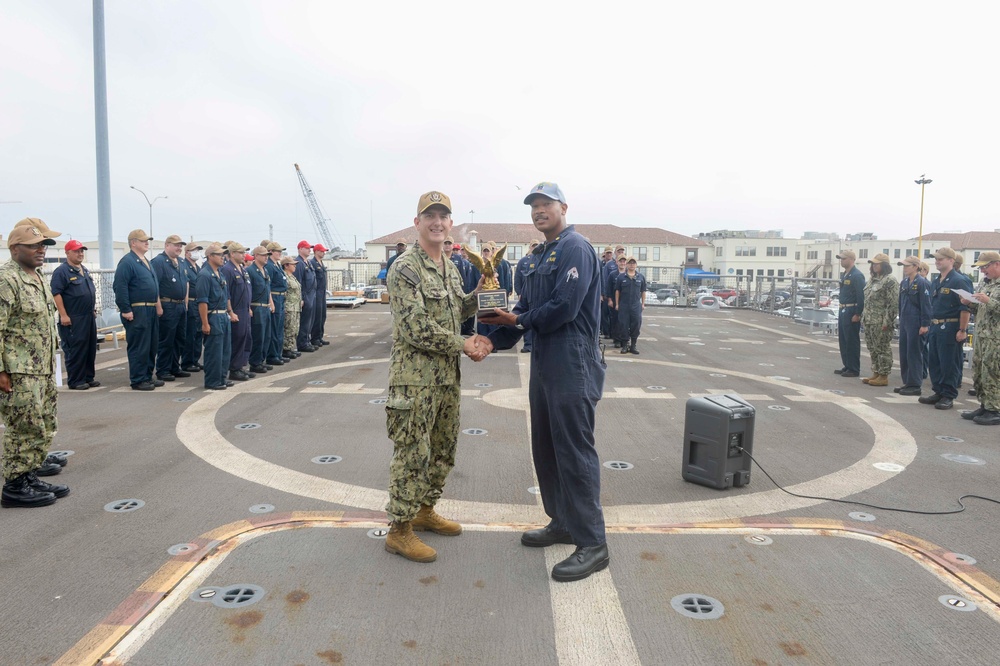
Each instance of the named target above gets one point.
<point>150,206</point>
<point>472,216</point>
<point>920,239</point>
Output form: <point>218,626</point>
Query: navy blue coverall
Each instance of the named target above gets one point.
<point>629,294</point>
<point>319,303</point>
<point>561,305</point>
<point>852,303</point>
<point>471,280</point>
<point>172,282</point>
<point>520,271</point>
<point>212,289</point>
<point>191,356</point>
<point>608,270</point>
<point>945,361</point>
<point>239,301</point>
<point>136,291</point>
<point>605,308</point>
<point>307,279</point>
<point>914,314</point>
<point>79,339</point>
<point>611,280</point>
<point>279,285</point>
<point>260,304</point>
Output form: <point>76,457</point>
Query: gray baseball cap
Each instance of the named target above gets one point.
<point>550,190</point>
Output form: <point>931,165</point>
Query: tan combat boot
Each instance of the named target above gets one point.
<point>879,380</point>
<point>402,541</point>
<point>429,519</point>
<point>869,380</point>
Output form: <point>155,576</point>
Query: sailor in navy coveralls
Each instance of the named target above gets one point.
<point>852,304</point>
<point>949,321</point>
<point>561,306</point>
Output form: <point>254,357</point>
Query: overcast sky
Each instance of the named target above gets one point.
<point>689,116</point>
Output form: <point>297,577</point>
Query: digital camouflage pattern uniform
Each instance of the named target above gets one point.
<point>986,346</point>
<point>293,308</point>
<point>422,413</point>
<point>28,341</point>
<point>881,308</point>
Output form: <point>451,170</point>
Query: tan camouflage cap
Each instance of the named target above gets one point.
<point>41,226</point>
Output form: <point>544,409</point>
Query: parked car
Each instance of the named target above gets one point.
<point>374,291</point>
<point>664,294</point>
<point>724,292</point>
<point>343,301</point>
<point>708,302</point>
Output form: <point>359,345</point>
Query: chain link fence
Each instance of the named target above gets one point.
<point>806,300</point>
<point>809,300</point>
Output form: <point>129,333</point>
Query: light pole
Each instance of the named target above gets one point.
<point>150,206</point>
<point>472,216</point>
<point>923,182</point>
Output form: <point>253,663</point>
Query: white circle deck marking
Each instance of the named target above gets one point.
<point>893,443</point>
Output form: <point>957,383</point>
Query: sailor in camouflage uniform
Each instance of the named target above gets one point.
<point>293,307</point>
<point>422,414</point>
<point>28,342</point>
<point>986,344</point>
<point>879,318</point>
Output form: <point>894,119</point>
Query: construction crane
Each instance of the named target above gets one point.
<point>319,220</point>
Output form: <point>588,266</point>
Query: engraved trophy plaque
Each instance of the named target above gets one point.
<point>491,296</point>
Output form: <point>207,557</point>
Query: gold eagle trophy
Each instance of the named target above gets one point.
<point>491,296</point>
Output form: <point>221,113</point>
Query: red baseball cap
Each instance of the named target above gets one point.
<point>74,245</point>
<point>319,246</point>
<point>248,257</point>
<point>457,246</point>
<point>303,244</point>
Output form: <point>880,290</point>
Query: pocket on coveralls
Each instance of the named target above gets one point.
<point>397,417</point>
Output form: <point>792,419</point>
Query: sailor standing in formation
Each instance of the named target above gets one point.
<point>76,299</point>
<point>28,395</point>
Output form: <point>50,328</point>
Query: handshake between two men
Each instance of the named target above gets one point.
<point>479,346</point>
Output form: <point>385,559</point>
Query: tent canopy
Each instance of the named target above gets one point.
<point>698,274</point>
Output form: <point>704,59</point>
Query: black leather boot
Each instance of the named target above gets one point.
<point>44,487</point>
<point>19,493</point>
<point>48,468</point>
<point>583,562</point>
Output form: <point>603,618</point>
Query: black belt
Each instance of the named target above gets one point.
<point>943,321</point>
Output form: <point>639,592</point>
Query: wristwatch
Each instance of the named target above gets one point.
<point>517,323</point>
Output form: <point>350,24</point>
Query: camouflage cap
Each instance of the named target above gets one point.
<point>433,199</point>
<point>26,235</point>
<point>41,226</point>
<point>987,258</point>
